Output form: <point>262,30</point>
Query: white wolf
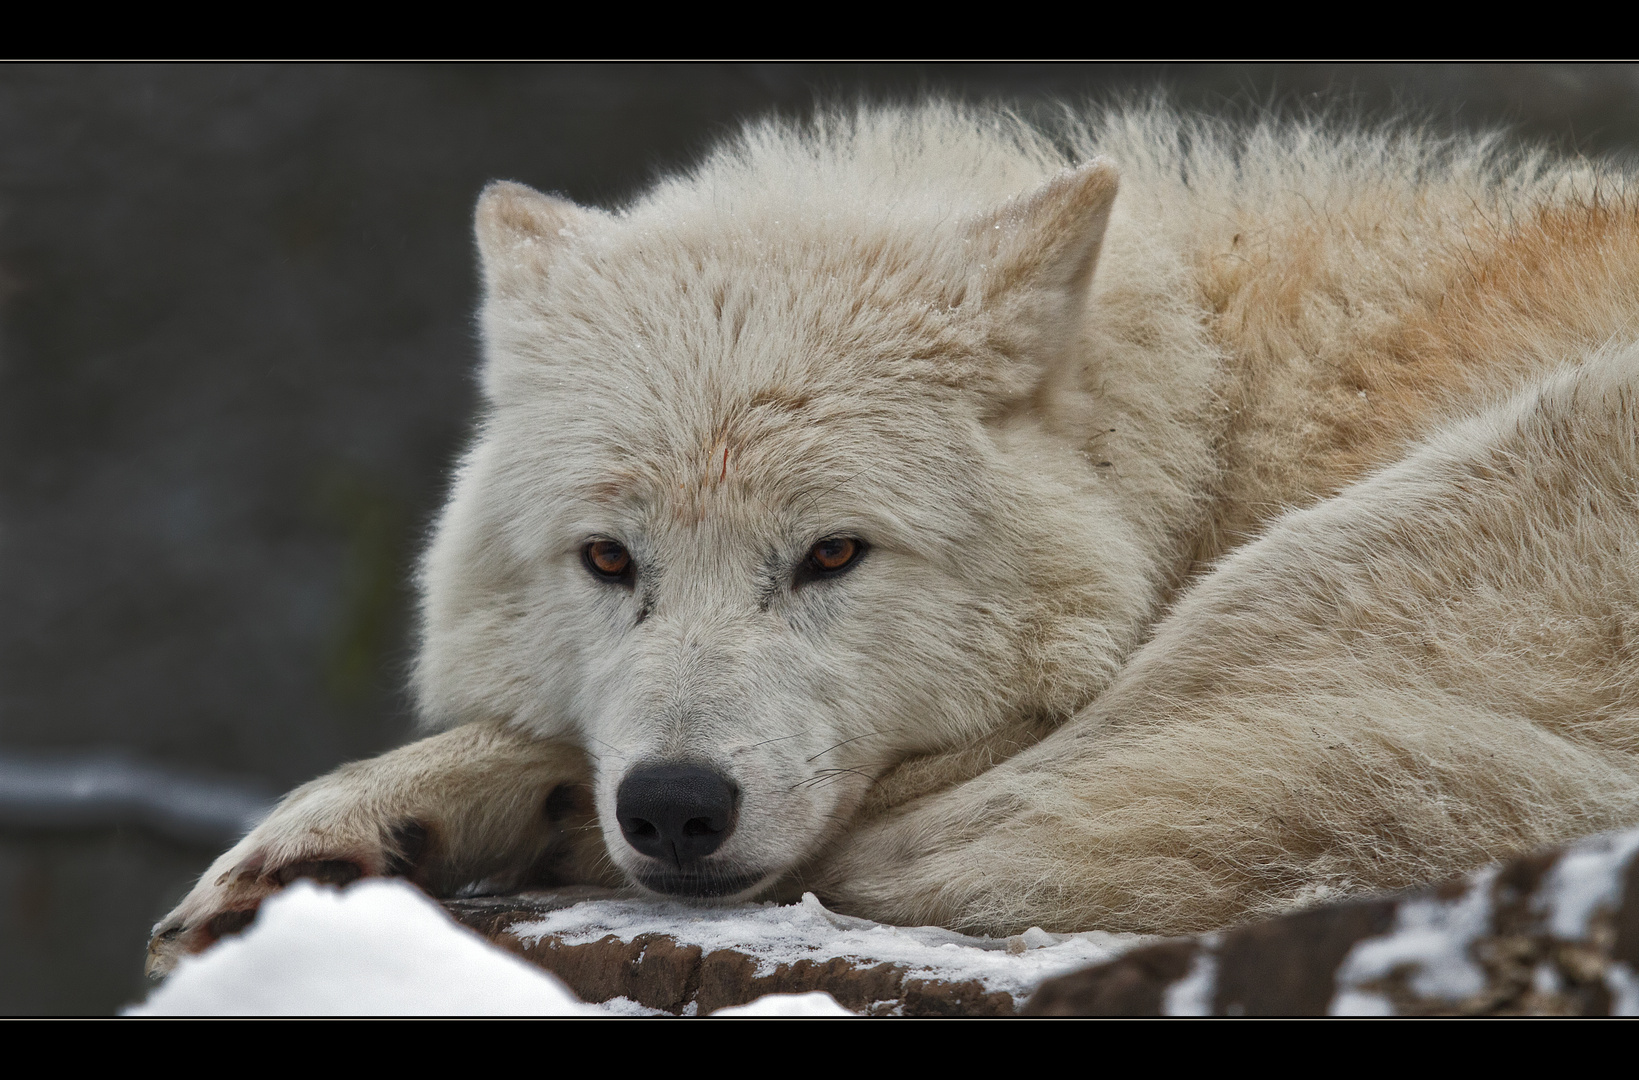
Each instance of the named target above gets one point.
<point>832,525</point>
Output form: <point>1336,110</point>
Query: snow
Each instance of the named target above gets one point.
<point>1624,988</point>
<point>379,948</point>
<point>382,948</point>
<point>1192,995</point>
<point>1587,879</point>
<point>1431,938</point>
<point>816,1003</point>
<point>773,934</point>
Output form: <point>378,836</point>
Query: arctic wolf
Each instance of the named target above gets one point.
<point>1140,525</point>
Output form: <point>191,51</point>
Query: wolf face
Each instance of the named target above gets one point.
<point>766,500</point>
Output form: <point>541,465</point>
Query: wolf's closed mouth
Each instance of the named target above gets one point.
<point>701,885</point>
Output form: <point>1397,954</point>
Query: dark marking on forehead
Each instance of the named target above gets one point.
<point>720,457</point>
<point>780,398</point>
<point>613,488</point>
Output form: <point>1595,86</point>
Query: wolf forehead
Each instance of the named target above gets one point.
<point>944,292</point>
<point>712,360</point>
<point>798,300</point>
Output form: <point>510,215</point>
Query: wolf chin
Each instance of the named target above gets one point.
<point>1140,525</point>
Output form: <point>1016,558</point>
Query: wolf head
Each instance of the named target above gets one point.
<point>787,472</point>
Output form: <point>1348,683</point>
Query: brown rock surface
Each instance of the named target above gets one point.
<point>659,972</point>
<point>1494,943</point>
<point>1491,944</point>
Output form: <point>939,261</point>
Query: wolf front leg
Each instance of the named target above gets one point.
<point>1436,668</point>
<point>480,802</point>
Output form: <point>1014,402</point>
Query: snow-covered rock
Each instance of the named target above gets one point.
<point>1554,933</point>
<point>382,948</point>
<point>694,960</point>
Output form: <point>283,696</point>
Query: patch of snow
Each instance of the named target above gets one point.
<point>1623,984</point>
<point>1431,938</point>
<point>816,1003</point>
<point>1359,1003</point>
<point>622,1006</point>
<point>773,934</point>
<point>1192,995</point>
<point>1586,879</point>
<point>379,948</point>
<point>1037,938</point>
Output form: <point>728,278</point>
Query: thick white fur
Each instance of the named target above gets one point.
<point>1289,553</point>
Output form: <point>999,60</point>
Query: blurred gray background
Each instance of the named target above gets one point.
<point>236,348</point>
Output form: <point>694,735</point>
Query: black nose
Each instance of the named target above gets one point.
<point>677,813</point>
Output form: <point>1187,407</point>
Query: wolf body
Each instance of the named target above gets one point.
<point>1139,526</point>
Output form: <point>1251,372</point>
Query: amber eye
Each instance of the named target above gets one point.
<point>834,553</point>
<point>608,560</point>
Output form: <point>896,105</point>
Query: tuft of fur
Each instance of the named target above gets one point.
<point>1249,511</point>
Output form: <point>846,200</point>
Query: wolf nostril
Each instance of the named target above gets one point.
<point>679,813</point>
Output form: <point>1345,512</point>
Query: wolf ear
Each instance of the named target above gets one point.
<point>519,230</point>
<point>1042,249</point>
<point>1050,238</point>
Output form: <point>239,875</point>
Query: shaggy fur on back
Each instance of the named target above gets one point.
<point>1248,517</point>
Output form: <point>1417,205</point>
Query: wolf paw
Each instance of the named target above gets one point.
<point>228,895</point>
